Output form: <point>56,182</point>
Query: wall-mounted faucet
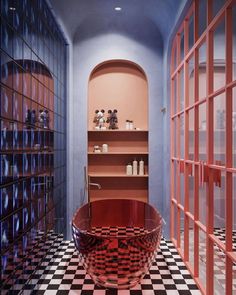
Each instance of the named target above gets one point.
<point>95,184</point>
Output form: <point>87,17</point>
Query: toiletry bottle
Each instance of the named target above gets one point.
<point>105,148</point>
<point>131,125</point>
<point>141,167</point>
<point>129,169</point>
<point>127,124</point>
<point>96,149</point>
<point>135,167</point>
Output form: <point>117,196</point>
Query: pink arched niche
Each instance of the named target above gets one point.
<point>121,85</point>
<point>30,86</point>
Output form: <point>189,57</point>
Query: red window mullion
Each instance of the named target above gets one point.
<point>210,140</point>
<point>211,240</point>
<point>229,149</point>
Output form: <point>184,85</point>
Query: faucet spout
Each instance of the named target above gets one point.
<point>95,184</point>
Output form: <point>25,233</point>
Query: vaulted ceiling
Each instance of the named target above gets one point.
<point>140,18</point>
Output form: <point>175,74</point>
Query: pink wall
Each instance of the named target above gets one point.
<point>119,85</point>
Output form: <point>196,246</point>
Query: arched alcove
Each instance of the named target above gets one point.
<point>120,85</point>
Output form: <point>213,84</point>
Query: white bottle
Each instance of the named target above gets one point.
<point>131,125</point>
<point>105,148</point>
<point>127,124</point>
<point>129,169</point>
<point>141,167</point>
<point>135,167</point>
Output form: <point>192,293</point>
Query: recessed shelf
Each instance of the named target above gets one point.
<point>111,85</point>
<point>118,153</point>
<point>118,130</point>
<point>97,174</point>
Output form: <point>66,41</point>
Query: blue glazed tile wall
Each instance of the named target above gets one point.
<point>32,138</point>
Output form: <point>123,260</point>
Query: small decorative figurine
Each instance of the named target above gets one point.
<point>112,119</point>
<point>33,117</point>
<point>44,114</point>
<point>40,118</point>
<point>96,120</point>
<point>47,118</point>
<point>99,119</point>
<point>28,119</point>
<point>43,119</point>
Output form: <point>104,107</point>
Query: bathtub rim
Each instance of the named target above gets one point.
<point>85,232</point>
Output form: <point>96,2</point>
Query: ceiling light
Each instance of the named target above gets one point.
<point>118,8</point>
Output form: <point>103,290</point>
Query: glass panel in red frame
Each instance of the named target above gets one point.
<point>219,129</point>
<point>202,86</point>
<point>191,134</point>
<point>202,132</point>
<point>219,55</point>
<point>234,127</point>
<point>202,12</point>
<point>219,271</point>
<point>219,203</point>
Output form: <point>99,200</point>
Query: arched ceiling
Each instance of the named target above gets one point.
<point>139,18</point>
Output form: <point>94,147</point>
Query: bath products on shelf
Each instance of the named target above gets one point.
<point>100,149</point>
<point>105,148</point>
<point>96,149</point>
<point>129,125</point>
<point>135,167</point>
<point>141,167</point>
<point>129,170</point>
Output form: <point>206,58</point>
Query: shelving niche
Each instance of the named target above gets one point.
<point>118,85</point>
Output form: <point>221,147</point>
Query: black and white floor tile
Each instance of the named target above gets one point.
<point>219,259</point>
<point>62,273</point>
<point>220,233</point>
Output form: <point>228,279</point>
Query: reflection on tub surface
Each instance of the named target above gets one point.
<point>117,240</point>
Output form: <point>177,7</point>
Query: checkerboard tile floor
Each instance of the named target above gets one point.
<point>219,259</point>
<point>22,263</point>
<point>62,273</point>
<point>220,233</point>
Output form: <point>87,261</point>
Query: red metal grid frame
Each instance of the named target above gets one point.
<point>185,164</point>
